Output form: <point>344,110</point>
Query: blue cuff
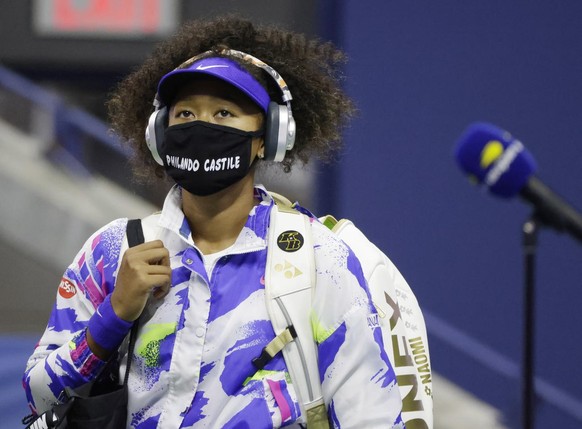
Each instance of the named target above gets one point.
<point>107,329</point>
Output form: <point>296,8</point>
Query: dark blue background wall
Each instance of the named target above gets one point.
<point>420,72</point>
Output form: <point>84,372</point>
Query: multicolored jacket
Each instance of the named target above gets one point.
<point>192,364</point>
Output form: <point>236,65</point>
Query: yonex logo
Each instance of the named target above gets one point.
<point>289,270</point>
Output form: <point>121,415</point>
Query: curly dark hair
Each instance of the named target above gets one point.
<point>311,69</point>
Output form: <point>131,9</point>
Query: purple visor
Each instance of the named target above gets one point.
<point>219,67</point>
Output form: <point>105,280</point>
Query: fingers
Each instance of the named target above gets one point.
<point>144,271</point>
<point>152,252</point>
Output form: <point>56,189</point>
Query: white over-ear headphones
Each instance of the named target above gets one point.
<point>279,123</point>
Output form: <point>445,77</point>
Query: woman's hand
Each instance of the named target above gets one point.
<point>145,270</point>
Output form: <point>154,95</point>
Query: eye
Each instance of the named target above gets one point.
<point>184,114</point>
<point>224,114</point>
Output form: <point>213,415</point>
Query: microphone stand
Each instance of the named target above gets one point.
<point>530,234</point>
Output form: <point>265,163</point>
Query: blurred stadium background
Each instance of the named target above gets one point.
<point>419,72</point>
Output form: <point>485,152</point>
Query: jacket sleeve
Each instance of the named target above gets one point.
<point>62,357</point>
<point>358,381</point>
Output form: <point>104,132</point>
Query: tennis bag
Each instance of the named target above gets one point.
<point>401,320</point>
<point>100,403</point>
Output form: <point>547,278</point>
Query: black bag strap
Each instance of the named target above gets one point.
<point>134,232</point>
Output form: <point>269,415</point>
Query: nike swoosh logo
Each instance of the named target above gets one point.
<point>210,67</point>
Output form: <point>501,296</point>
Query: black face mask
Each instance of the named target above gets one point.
<point>205,158</point>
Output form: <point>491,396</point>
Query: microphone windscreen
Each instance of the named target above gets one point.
<point>492,156</point>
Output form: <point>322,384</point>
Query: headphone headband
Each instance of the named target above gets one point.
<point>270,70</point>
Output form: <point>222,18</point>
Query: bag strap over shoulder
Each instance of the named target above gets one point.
<point>134,232</point>
<point>401,320</point>
<point>289,283</point>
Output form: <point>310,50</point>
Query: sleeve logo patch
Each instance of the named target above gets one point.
<point>290,241</point>
<point>67,289</point>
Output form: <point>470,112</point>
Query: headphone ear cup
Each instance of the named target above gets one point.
<point>276,132</point>
<point>154,134</point>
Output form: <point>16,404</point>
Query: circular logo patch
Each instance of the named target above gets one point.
<point>67,289</point>
<point>290,241</point>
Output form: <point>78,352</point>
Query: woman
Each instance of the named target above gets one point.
<point>196,286</point>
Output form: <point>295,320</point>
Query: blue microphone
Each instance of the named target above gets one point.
<point>493,157</point>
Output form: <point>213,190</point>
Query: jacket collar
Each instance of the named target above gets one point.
<point>252,237</point>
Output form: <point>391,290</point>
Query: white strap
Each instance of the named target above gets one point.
<point>289,282</point>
